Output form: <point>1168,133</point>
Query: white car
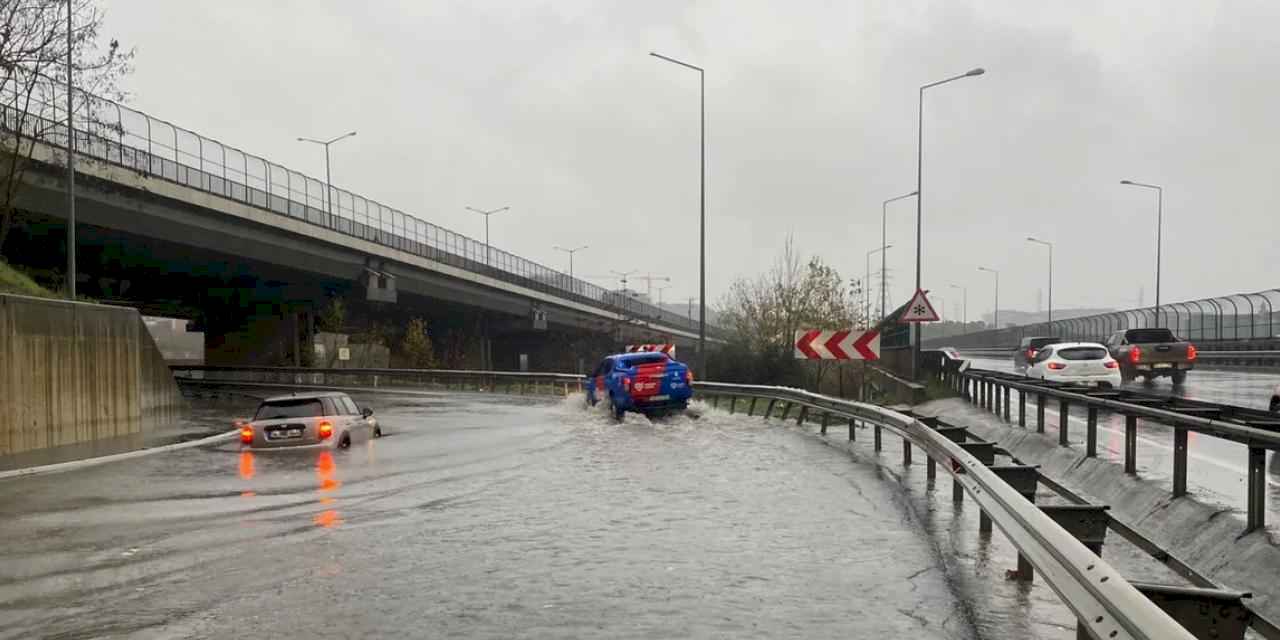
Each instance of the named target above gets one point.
<point>1076,362</point>
<point>330,420</point>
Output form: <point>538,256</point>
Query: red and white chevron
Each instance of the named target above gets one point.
<point>669,349</point>
<point>844,344</point>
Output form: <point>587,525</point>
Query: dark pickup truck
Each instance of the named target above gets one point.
<point>1151,354</point>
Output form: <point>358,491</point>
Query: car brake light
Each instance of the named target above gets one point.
<point>1135,355</point>
<point>626,384</point>
<point>1057,366</point>
<point>688,376</point>
<point>1111,364</point>
<point>325,430</point>
<point>246,433</point>
<point>1191,352</point>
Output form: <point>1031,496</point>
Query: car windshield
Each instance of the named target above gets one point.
<point>636,361</point>
<point>1141,336</point>
<point>1082,353</point>
<point>275,410</point>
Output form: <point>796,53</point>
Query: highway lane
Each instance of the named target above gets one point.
<point>495,517</point>
<point>1216,467</point>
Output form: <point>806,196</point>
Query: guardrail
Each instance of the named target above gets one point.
<point>1257,430</point>
<point>1236,358</point>
<point>1105,604</point>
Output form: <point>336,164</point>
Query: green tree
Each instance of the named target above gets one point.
<point>333,317</point>
<point>416,346</point>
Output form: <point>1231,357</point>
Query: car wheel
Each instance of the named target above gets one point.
<point>377,432</point>
<point>1275,404</point>
<point>614,409</point>
<point>1179,377</point>
<point>345,442</point>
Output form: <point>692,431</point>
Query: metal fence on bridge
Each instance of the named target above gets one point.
<point>1235,317</point>
<point>113,133</point>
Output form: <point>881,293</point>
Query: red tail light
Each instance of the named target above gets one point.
<point>1135,355</point>
<point>325,430</point>
<point>1057,366</point>
<point>1191,352</point>
<point>1111,364</point>
<point>626,385</point>
<point>246,433</point>
<point>688,376</point>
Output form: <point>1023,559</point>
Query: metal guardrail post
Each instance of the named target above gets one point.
<point>1041,399</point>
<point>1007,393</point>
<point>826,417</point>
<point>1091,438</point>
<point>1179,462</point>
<point>1022,408</point>
<point>1087,522</point>
<point>733,404</point>
<point>1131,444</point>
<point>878,437</point>
<point>906,453</point>
<point>1064,410</point>
<point>804,411</point>
<point>1257,490</point>
<point>751,408</point>
<point>768,411</point>
<point>786,409</point>
<point>853,426</point>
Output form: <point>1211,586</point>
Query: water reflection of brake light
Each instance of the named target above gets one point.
<point>246,465</point>
<point>325,430</point>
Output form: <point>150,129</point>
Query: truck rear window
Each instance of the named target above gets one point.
<point>1143,336</point>
<point>1036,343</point>
<point>308,408</point>
<point>1082,353</point>
<point>636,361</point>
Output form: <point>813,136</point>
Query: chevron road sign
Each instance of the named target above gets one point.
<point>845,344</point>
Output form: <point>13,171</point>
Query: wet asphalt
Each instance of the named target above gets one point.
<point>482,516</point>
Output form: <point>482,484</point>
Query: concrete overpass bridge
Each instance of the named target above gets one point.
<point>180,224</point>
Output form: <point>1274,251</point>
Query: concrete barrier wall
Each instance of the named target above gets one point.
<point>78,380</point>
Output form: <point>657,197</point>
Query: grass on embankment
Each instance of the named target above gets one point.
<point>17,282</point>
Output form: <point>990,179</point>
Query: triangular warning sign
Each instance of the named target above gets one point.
<point>919,309</point>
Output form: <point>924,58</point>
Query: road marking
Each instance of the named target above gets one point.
<point>89,462</point>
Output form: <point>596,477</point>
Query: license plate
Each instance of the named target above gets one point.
<point>659,398</point>
<point>1164,365</point>
<point>284,434</point>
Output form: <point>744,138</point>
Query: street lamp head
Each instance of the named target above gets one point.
<point>1126,182</point>
<point>975,72</point>
<point>352,133</point>
<point>302,139</point>
<point>1032,239</point>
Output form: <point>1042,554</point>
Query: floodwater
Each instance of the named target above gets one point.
<point>482,516</point>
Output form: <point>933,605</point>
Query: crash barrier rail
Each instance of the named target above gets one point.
<point>384,379</point>
<point>1105,604</point>
<point>1251,316</point>
<point>1258,430</point>
<point>117,135</point>
<point>1240,358</point>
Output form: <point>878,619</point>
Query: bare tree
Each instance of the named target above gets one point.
<point>33,81</point>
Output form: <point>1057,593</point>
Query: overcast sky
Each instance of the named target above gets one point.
<point>555,109</point>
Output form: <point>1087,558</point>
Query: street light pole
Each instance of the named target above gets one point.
<point>965,293</point>
<point>71,170</point>
<point>884,217</point>
<point>328,176</point>
<point>995,317</point>
<point>486,215</point>
<point>1050,245</point>
<point>866,289</point>
<point>702,211</point>
<point>915,353</point>
<point>570,252</point>
<point>1159,235</point>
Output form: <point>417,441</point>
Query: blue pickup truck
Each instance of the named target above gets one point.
<point>650,383</point>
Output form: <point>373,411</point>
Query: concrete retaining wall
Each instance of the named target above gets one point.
<point>1200,534</point>
<point>78,380</point>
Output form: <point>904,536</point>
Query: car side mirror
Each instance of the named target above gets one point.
<point>366,412</point>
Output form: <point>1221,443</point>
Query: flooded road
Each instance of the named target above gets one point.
<point>496,517</point>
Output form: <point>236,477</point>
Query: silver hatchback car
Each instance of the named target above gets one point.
<point>329,419</point>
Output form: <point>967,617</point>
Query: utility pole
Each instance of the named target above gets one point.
<point>71,170</point>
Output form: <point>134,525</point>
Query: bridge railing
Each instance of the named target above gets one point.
<point>1240,318</point>
<point>382,379</point>
<point>113,133</point>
